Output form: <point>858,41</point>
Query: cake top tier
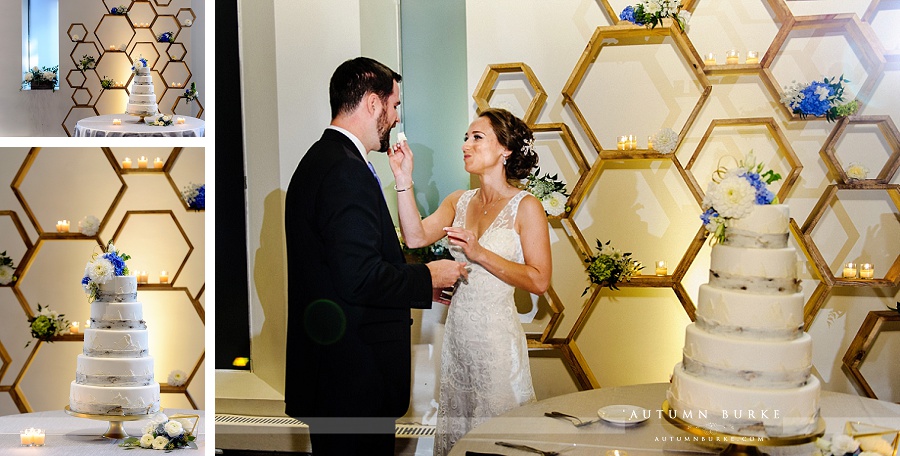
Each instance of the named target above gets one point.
<point>120,285</point>
<point>107,272</point>
<point>765,227</point>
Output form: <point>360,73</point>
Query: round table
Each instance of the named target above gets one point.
<point>102,126</point>
<point>528,425</point>
<point>69,435</point>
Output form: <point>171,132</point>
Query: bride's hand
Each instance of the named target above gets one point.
<point>401,161</point>
<point>466,240</point>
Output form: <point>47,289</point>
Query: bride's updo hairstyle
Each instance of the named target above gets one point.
<point>513,134</point>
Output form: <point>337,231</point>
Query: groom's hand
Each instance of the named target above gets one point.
<point>445,273</point>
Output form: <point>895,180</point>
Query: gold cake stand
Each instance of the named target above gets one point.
<point>748,446</point>
<point>116,429</point>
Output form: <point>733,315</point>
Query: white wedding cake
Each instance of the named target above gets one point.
<point>114,375</point>
<point>746,366</point>
<point>142,99</point>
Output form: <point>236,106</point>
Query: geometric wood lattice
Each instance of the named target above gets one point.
<point>862,343</point>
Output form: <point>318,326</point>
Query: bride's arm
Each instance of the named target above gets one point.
<point>532,276</point>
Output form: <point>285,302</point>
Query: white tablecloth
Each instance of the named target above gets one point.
<point>68,435</point>
<point>102,126</point>
<point>656,436</point>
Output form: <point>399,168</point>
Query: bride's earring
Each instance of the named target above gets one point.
<point>504,160</point>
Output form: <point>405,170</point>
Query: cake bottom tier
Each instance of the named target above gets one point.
<point>141,109</point>
<point>114,400</point>
<point>760,412</point>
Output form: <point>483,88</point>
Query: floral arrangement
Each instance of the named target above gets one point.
<point>41,78</point>
<point>194,195</point>
<point>665,140</point>
<point>165,37</point>
<point>162,433</point>
<point>103,267</point>
<point>177,378</point>
<point>191,94</point>
<point>733,193</point>
<point>118,10</point>
<point>141,62</point>
<point>842,444</point>
<point>7,269</point>
<point>857,171</point>
<point>87,63</point>
<point>652,12</point>
<point>46,324</point>
<point>819,98</point>
<point>161,121</point>
<point>610,266</point>
<point>549,190</point>
<point>440,250</point>
<point>107,83</point>
<point>89,225</point>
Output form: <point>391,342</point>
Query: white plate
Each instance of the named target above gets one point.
<point>623,414</point>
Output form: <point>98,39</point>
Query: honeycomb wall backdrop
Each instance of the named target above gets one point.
<point>142,210</point>
<point>603,80</point>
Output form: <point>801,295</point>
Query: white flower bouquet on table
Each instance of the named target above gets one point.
<point>862,445</point>
<point>89,225</point>
<point>549,190</point>
<point>7,269</point>
<point>161,121</point>
<point>164,433</point>
<point>103,267</point>
<point>733,193</point>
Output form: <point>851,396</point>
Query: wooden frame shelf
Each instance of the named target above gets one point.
<point>861,345</point>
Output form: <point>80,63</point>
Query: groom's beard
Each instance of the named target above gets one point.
<point>384,129</point>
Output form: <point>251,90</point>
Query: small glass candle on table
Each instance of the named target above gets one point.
<point>622,142</point>
<point>709,59</point>
<point>158,164</point>
<point>37,437</point>
<point>850,271</point>
<point>732,57</point>
<point>62,226</point>
<point>117,121</point>
<point>73,328</point>
<point>26,436</point>
<point>752,57</point>
<point>142,162</point>
<point>179,120</point>
<point>163,277</point>
<point>661,268</point>
<point>867,271</point>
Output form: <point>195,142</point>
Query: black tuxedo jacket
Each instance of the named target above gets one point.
<point>349,290</point>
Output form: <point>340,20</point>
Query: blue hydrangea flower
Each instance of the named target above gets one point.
<point>117,262</point>
<point>813,103</point>
<point>627,14</point>
<point>708,215</point>
<point>86,280</point>
<point>200,200</point>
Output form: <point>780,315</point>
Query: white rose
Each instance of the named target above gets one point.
<point>554,204</point>
<point>186,424</point>
<point>89,225</point>
<point>841,444</point>
<point>857,171</point>
<point>6,275</point>
<point>160,442</point>
<point>875,445</point>
<point>174,428</point>
<point>146,441</point>
<point>685,16</point>
<point>177,377</point>
<point>158,418</point>
<point>35,68</point>
<point>149,428</point>
<point>188,23</point>
<point>29,77</point>
<point>49,75</point>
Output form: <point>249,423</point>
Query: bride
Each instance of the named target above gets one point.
<point>501,232</point>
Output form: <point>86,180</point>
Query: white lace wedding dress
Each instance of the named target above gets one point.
<point>484,360</point>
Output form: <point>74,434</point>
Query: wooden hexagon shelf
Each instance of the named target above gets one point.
<point>166,23</point>
<point>851,28</point>
<point>182,97</point>
<point>179,73</point>
<point>190,247</point>
<point>141,12</point>
<point>859,348</point>
<point>784,147</point>
<point>82,96</point>
<point>186,17</point>
<point>872,11</point>
<point>114,30</point>
<point>79,78</point>
<point>176,51</point>
<point>84,48</point>
<point>571,145</point>
<point>29,246</point>
<point>77,32</point>
<point>617,33</point>
<point>485,89</point>
<point>891,136</point>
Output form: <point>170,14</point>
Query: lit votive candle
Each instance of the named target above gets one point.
<point>73,328</point>
<point>62,226</point>
<point>87,323</point>
<point>143,277</point>
<point>38,437</point>
<point>27,437</point>
<point>661,268</point>
<point>622,142</point>
<point>709,59</point>
<point>731,57</point>
<point>163,277</point>
<point>117,121</point>
<point>867,271</point>
<point>157,163</point>
<point>752,57</point>
<point>142,162</point>
<point>632,142</point>
<point>126,163</point>
<point>850,271</point>
<point>649,143</point>
<point>112,47</point>
<point>180,120</point>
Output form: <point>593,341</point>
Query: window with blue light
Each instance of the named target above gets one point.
<point>41,30</point>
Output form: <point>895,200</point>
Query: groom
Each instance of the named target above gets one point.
<point>349,289</point>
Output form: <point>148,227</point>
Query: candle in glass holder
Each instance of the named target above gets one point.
<point>752,57</point>
<point>661,268</point>
<point>731,57</point>
<point>632,142</point>
<point>126,163</point>
<point>622,142</point>
<point>179,120</point>
<point>850,271</point>
<point>709,59</point>
<point>157,163</point>
<point>73,328</point>
<point>867,271</point>
<point>112,47</point>
<point>117,121</point>
<point>142,162</point>
<point>27,437</point>
<point>649,143</point>
<point>62,226</point>
<point>87,324</point>
<point>38,437</point>
<point>163,277</point>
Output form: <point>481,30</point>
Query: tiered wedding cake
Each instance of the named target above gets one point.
<point>114,375</point>
<point>747,363</point>
<point>141,99</point>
